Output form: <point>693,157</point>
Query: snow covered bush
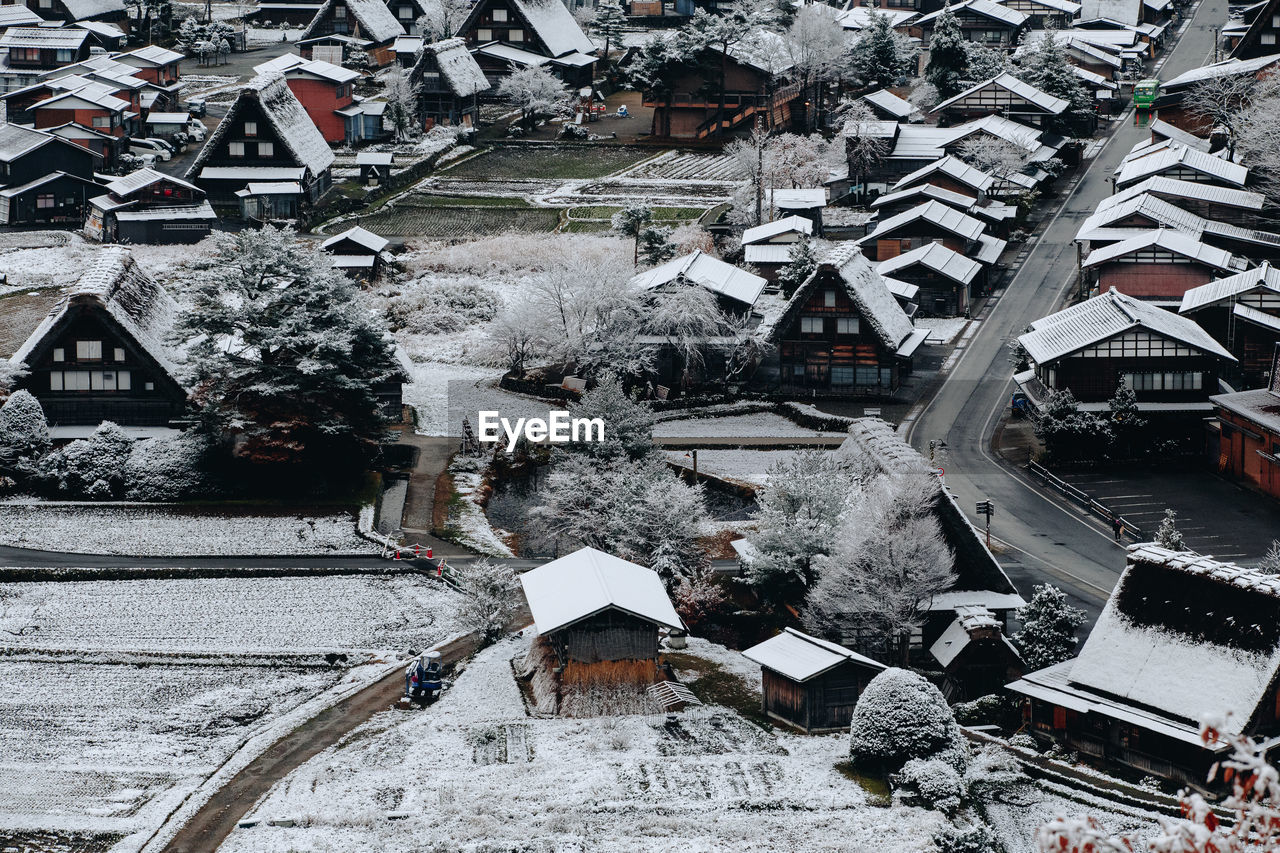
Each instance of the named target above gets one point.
<point>931,784</point>
<point>91,467</point>
<point>167,468</point>
<point>701,602</point>
<point>1168,535</point>
<point>24,434</point>
<point>492,593</point>
<point>993,768</point>
<point>974,838</point>
<point>1049,623</point>
<point>628,425</point>
<point>440,305</point>
<point>1022,740</point>
<point>901,716</point>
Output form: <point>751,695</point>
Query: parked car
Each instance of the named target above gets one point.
<point>197,107</point>
<point>173,148</point>
<point>196,131</point>
<point>150,146</point>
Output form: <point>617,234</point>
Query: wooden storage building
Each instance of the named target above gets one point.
<point>809,683</point>
<point>1242,312</point>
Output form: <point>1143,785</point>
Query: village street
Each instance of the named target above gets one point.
<point>1045,540</point>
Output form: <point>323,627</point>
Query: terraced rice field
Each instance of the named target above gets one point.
<point>682,166</point>
<point>445,223</point>
<point>561,163</point>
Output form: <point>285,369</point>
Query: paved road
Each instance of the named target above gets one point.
<point>1045,540</point>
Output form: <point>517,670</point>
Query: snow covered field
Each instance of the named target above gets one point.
<point>740,466</point>
<point>760,425</point>
<point>162,530</point>
<point>475,773</point>
<point>251,615</point>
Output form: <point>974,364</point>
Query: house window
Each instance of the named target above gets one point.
<point>340,13</point>
<point>118,354</point>
<point>484,35</point>
<point>45,201</point>
<point>515,35</point>
<point>250,128</point>
<point>829,298</point>
<point>499,16</point>
<point>404,13</point>
<point>25,54</point>
<point>149,386</point>
<point>46,4</point>
<point>1268,38</point>
<point>266,149</point>
<point>810,325</point>
<point>1187,381</point>
<point>88,350</point>
<point>236,149</point>
<point>842,376</point>
<point>64,55</point>
<point>55,380</point>
<point>102,122</point>
<point>59,354</point>
<point>847,326</point>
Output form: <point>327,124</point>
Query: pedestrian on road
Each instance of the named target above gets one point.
<point>1117,527</point>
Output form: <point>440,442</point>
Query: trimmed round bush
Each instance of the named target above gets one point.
<point>933,783</point>
<point>901,716</point>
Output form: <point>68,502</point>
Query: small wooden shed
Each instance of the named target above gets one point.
<point>809,683</point>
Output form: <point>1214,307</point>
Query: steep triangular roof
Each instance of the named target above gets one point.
<point>713,274</point>
<point>586,582</point>
<point>376,21</point>
<point>1007,82</point>
<point>361,237</point>
<point>457,67</point>
<point>801,657</point>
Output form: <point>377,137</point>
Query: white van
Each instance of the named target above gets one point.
<point>150,146</point>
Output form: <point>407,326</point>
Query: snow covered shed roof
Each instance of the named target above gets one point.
<point>374,18</point>
<point>115,284</point>
<point>1170,240</point>
<point>555,25</point>
<point>801,657</point>
<point>361,237</point>
<point>785,225</point>
<point>284,112</point>
<point>937,257</point>
<point>1122,11</point>
<point>16,140</point>
<point>1160,186</point>
<point>924,192</point>
<point>890,104</point>
<point>1186,635</point>
<point>150,55</point>
<point>1105,316</point>
<point>1174,156</point>
<point>935,213</point>
<point>1265,277</point>
<point>986,8</point>
<point>705,271</point>
<point>804,198</point>
<point>587,582</point>
<point>1226,68</point>
<point>135,181</point>
<point>952,167</point>
<point>17,15</point>
<point>45,37</point>
<point>458,68</point>
<point>82,9</point>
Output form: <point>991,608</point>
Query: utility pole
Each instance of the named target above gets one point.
<point>988,509</point>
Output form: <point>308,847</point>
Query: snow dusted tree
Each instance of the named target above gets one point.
<point>441,19</point>
<point>1049,624</point>
<point>1254,127</point>
<point>749,155</point>
<point>24,434</point>
<point>700,601</point>
<point>90,467</point>
<point>1069,433</point>
<point>402,103</point>
<point>881,55</point>
<point>982,63</point>
<point>491,597</point>
<point>1000,158</point>
<point>687,315</point>
<point>168,468</point>
<point>285,358</point>
<point>932,783</point>
<point>534,91</point>
<point>659,63</point>
<point>1047,68</point>
<point>724,31</point>
<point>224,51</point>
<point>888,561</point>
<point>863,150</point>
<point>801,263</point>
<point>631,222</point>
<point>1168,535</point>
<point>516,335</point>
<point>798,161</point>
<point>628,425</point>
<point>1270,563</point>
<point>901,716</point>
<point>947,55</point>
<point>656,246</point>
<point>609,23</point>
<point>1128,427</point>
<point>1225,102</point>
<point>1254,803</point>
<point>817,50</point>
<point>797,512</point>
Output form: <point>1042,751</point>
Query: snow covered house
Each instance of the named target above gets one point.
<point>75,11</point>
<point>149,207</point>
<point>1244,440</point>
<point>1242,312</point>
<point>809,683</point>
<point>326,91</point>
<point>975,656</point>
<point>806,202</point>
<point>768,247</point>
<point>1185,163</point>
<point>1159,265</point>
<point>265,138</point>
<point>983,21</point>
<point>1011,98</point>
<point>1257,33</point>
<point>1172,99</point>
<point>505,35</point>
<point>736,290</point>
<point>448,81</point>
<point>369,20</point>
<point>44,179</point>
<point>43,48</point>
<point>1182,637</point>
<point>944,278</point>
<point>157,65</point>
<point>101,353</point>
<point>935,223</point>
<point>357,252</point>
<point>841,333</point>
<point>1170,363</point>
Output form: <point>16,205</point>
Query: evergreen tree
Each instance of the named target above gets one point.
<point>285,359</point>
<point>947,55</point>
<point>1168,535</point>
<point>609,24</point>
<point>628,425</point>
<point>1049,624</point>
<point>24,434</point>
<point>631,222</point>
<point>802,263</point>
<point>656,245</point>
<point>1127,423</point>
<point>1047,68</point>
<point>880,54</point>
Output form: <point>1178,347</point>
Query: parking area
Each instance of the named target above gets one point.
<point>1216,517</point>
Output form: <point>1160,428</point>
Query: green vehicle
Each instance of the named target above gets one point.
<point>1145,93</point>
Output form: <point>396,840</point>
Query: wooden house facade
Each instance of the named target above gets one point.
<point>509,34</point>
<point>1261,34</point>
<point>44,48</point>
<point>325,91</point>
<point>810,683</point>
<point>368,20</point>
<point>149,207</point>
<point>946,279</point>
<point>1007,96</point>
<point>1215,624</point>
<point>975,656</point>
<point>44,179</point>
<point>996,25</point>
<point>1158,265</point>
<point>841,333</point>
<point>448,81</point>
<point>1242,312</point>
<point>100,354</point>
<point>689,109</point>
<point>1245,439</point>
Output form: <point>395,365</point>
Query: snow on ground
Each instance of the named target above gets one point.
<point>740,466</point>
<point>246,615</point>
<point>177,530</point>
<point>942,330</point>
<point>763,425</point>
<point>44,266</point>
<point>262,36</point>
<point>474,772</point>
<point>468,525</point>
<point>1016,814</point>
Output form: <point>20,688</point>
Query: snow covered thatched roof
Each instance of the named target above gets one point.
<point>1104,317</point>
<point>713,274</point>
<point>374,19</point>
<point>457,67</point>
<point>282,110</point>
<point>587,582</point>
<point>554,25</point>
<point>1186,636</point>
<point>115,285</point>
<point>801,657</point>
